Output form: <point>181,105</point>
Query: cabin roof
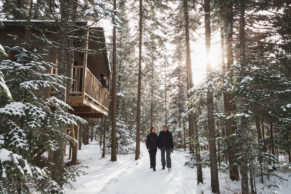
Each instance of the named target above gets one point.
<point>39,22</point>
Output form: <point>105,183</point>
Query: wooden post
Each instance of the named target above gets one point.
<point>70,151</point>
<point>85,134</point>
<point>184,135</point>
<point>75,146</point>
<point>101,140</point>
<point>92,131</point>
<point>80,136</point>
<point>85,59</point>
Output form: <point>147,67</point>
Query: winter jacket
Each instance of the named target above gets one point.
<point>104,83</point>
<point>165,140</point>
<point>152,141</point>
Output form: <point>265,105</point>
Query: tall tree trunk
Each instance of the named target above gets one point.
<point>184,136</point>
<point>223,69</point>
<point>272,138</point>
<point>180,107</point>
<point>222,47</point>
<point>252,179</point>
<point>81,130</point>
<point>92,132</point>
<point>100,140</point>
<point>104,137</point>
<point>137,151</point>
<point>260,146</point>
<point>222,42</point>
<point>197,152</point>
<point>152,95</point>
<point>165,93</point>
<point>210,105</point>
<point>193,130</point>
<point>58,155</point>
<point>218,151</point>
<point>263,134</point>
<point>180,97</point>
<point>189,74</point>
<point>113,132</point>
<point>229,104</point>
<point>85,134</point>
<point>244,130</point>
<point>152,107</point>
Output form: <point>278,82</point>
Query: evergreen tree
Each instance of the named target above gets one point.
<point>29,125</point>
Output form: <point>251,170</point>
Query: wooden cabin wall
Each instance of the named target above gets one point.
<point>7,38</point>
<point>49,52</point>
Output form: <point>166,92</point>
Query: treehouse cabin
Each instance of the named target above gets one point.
<point>86,59</point>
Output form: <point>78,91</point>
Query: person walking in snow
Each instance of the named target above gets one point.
<point>165,144</point>
<point>152,144</point>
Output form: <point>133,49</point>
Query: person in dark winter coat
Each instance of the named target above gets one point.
<point>152,144</point>
<point>165,143</point>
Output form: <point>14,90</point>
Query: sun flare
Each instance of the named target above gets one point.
<point>199,59</point>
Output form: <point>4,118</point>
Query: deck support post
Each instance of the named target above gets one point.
<point>75,132</point>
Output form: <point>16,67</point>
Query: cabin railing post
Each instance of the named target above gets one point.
<point>85,60</point>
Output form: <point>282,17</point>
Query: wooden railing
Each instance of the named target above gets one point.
<point>95,91</point>
<point>77,82</point>
<point>91,89</point>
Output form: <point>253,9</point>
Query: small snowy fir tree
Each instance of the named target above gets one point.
<point>125,141</point>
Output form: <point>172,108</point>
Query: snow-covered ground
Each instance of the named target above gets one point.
<point>127,176</point>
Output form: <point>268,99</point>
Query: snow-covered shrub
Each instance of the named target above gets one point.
<point>31,123</point>
<point>125,141</point>
<point>126,144</point>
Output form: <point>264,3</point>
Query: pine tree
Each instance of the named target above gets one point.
<point>229,104</point>
<point>27,120</point>
<point>210,105</point>
<point>193,131</point>
<point>244,128</point>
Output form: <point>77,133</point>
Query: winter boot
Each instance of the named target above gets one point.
<point>154,169</point>
<point>163,168</point>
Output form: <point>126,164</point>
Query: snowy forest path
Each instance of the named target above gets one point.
<point>140,179</point>
<point>127,176</point>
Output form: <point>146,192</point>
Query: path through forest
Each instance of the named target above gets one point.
<point>127,176</point>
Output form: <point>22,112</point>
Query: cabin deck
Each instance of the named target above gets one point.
<point>88,98</point>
